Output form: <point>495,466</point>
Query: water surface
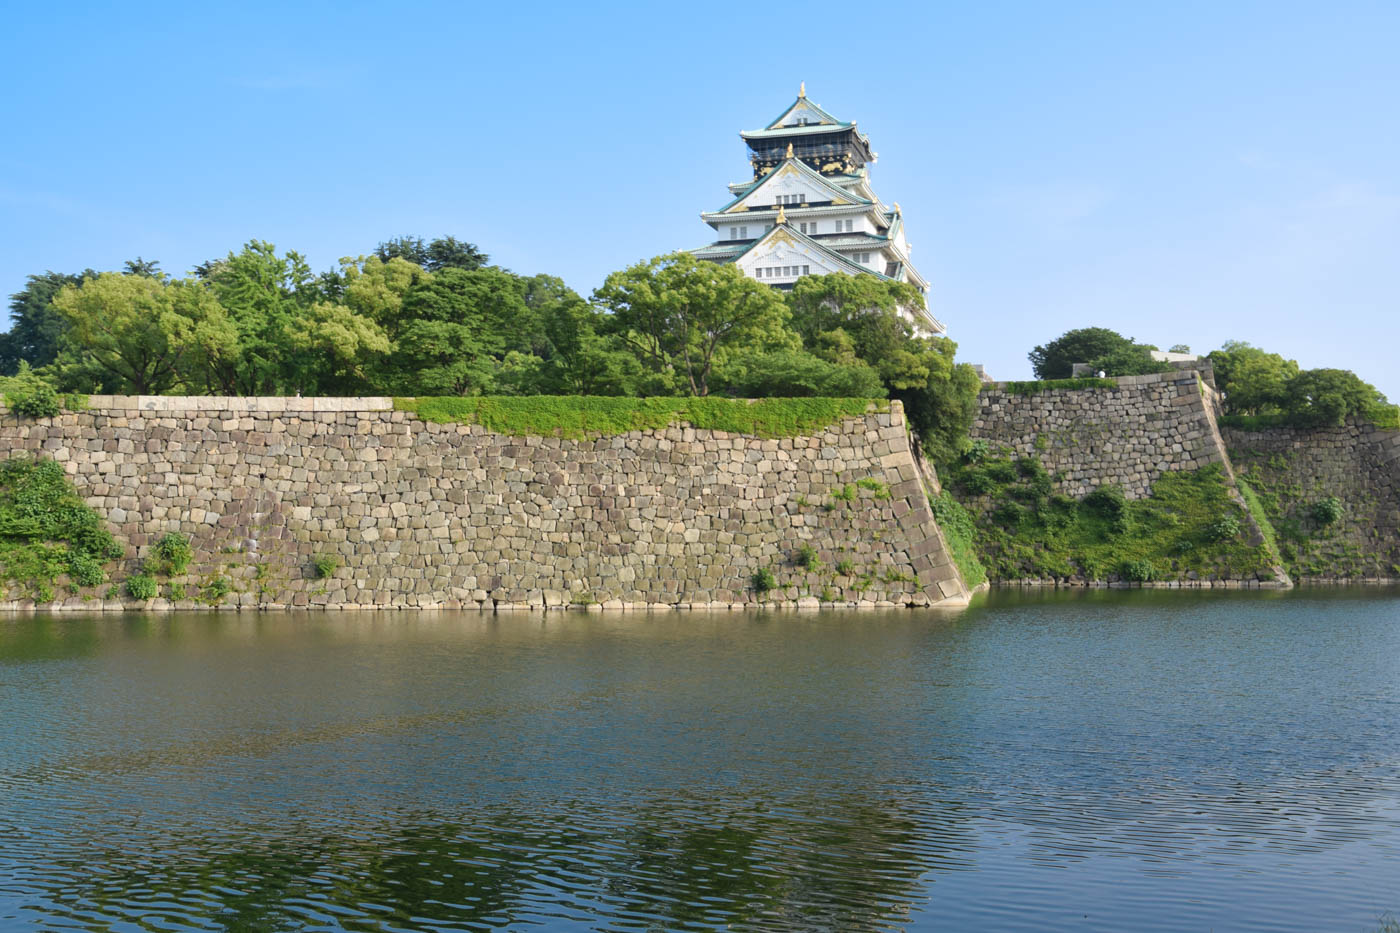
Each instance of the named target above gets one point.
<point>1087,761</point>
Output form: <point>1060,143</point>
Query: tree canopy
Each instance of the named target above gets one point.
<point>433,317</point>
<point>1099,347</point>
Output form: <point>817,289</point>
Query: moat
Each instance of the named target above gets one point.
<point>1083,760</point>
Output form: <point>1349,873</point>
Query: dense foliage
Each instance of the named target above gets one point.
<point>47,531</point>
<point>1264,388</point>
<point>1189,528</point>
<point>1102,349</point>
<point>415,319</point>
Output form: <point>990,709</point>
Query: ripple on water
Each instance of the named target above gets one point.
<point>1040,765</point>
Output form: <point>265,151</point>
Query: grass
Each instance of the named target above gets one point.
<point>960,533</point>
<point>1189,524</point>
<point>326,565</point>
<point>1385,416</point>
<point>1316,533</point>
<point>47,531</point>
<point>1036,386</point>
<point>591,416</point>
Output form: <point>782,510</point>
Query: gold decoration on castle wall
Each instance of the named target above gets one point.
<point>839,201</point>
<point>831,168</point>
<point>789,152</point>
<point>780,235</point>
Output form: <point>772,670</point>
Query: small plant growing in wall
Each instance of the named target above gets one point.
<point>177,592</point>
<point>805,556</point>
<point>827,595</point>
<point>845,568</point>
<point>216,589</point>
<point>84,570</point>
<point>763,580</point>
<point>141,586</point>
<point>1224,528</point>
<point>173,553</point>
<point>1326,511</point>
<point>1137,571</point>
<point>881,490</point>
<point>326,565</point>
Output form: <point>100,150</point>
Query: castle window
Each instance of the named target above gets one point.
<point>743,233</point>
<point>802,199</point>
<point>806,270</point>
<point>848,226</point>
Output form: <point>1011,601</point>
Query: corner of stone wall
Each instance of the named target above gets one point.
<point>933,559</point>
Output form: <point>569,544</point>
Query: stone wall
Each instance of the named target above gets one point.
<point>430,515</point>
<point>1128,435</point>
<point>1293,468</point>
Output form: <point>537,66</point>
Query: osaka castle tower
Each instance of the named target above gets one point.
<point>809,209</point>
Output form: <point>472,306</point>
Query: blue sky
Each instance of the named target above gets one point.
<point>1185,173</point>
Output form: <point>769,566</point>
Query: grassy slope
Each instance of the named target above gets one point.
<point>1190,527</point>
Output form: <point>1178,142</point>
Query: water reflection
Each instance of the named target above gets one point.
<point>1090,761</point>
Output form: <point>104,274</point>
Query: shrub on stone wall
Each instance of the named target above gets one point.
<point>46,531</point>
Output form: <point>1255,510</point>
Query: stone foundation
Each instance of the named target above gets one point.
<point>424,515</point>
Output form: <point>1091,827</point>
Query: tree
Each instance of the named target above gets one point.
<point>1253,381</point>
<point>36,328</point>
<point>146,333</point>
<point>580,360</point>
<point>796,374</point>
<point>451,253</point>
<point>1056,359</point>
<point>679,314</point>
<point>1132,360</point>
<point>443,253</point>
<point>452,329</point>
<point>337,348</point>
<point>147,267</point>
<point>862,321</point>
<point>864,308</point>
<point>264,295</point>
<point>1327,397</point>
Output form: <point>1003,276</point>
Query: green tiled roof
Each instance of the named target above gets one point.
<point>802,100</point>
<point>808,130</point>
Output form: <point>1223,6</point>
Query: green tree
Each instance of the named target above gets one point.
<point>580,360</point>
<point>1323,397</point>
<point>264,295</point>
<point>453,329</point>
<point>864,321</point>
<point>1253,381</point>
<point>1133,360</point>
<point>145,332</point>
<point>36,328</point>
<point>796,374</point>
<point>680,315</point>
<point>1056,359</point>
<point>442,253</point>
<point>338,349</point>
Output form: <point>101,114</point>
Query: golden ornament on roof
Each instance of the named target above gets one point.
<point>802,90</point>
<point>782,216</point>
<point>789,152</point>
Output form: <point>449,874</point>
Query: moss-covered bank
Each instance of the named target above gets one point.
<point>48,535</point>
<point>1190,528</point>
